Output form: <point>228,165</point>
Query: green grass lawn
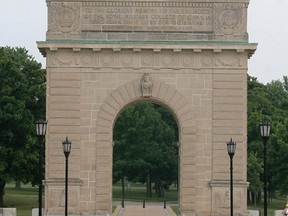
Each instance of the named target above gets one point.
<point>276,204</point>
<point>26,198</point>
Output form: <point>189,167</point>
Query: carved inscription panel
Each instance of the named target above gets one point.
<point>147,16</point>
<point>182,17</point>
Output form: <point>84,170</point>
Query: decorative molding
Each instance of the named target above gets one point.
<point>228,18</point>
<point>148,59</point>
<point>65,17</point>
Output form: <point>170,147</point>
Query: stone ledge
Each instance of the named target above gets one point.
<point>61,181</point>
<point>224,183</point>
<point>134,42</point>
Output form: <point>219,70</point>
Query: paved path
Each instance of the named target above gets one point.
<point>136,209</point>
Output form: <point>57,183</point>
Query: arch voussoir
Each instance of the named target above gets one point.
<point>137,88</point>
<point>162,90</point>
<point>169,93</point>
<point>155,89</point>
<point>175,98</point>
<point>118,98</point>
<point>106,115</point>
<point>110,106</point>
<point>103,122</point>
<point>124,93</point>
<point>131,90</point>
<point>113,103</point>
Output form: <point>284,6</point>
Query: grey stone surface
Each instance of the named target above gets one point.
<point>8,212</point>
<point>35,211</point>
<point>253,213</point>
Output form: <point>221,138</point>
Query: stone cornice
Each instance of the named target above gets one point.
<point>177,46</point>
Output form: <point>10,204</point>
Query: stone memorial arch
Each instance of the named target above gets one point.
<point>188,56</point>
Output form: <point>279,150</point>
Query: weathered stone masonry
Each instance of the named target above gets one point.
<point>196,55</point>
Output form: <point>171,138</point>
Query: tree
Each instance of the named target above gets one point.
<point>259,106</point>
<point>278,142</point>
<point>145,147</point>
<point>22,100</point>
<point>254,169</point>
<point>278,157</point>
<point>268,102</point>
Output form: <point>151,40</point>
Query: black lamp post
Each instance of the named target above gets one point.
<point>265,133</point>
<point>66,149</point>
<point>40,131</point>
<point>231,147</point>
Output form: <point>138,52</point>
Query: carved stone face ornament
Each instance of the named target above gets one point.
<point>146,85</point>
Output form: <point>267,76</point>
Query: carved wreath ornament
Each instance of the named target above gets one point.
<point>66,17</point>
<point>228,18</point>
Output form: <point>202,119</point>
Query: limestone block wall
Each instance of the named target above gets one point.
<point>203,86</point>
<point>195,53</point>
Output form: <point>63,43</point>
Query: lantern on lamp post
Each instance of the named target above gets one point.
<point>231,147</point>
<point>265,134</point>
<point>66,150</point>
<point>41,126</point>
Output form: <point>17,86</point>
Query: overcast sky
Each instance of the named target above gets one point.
<point>23,22</point>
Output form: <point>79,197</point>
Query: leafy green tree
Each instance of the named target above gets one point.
<point>285,83</point>
<point>254,169</point>
<point>145,146</point>
<point>277,145</point>
<point>268,102</point>
<point>22,100</point>
<point>278,96</point>
<point>258,107</point>
<point>278,157</point>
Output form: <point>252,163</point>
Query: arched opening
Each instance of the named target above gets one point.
<point>164,95</point>
<point>145,154</point>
